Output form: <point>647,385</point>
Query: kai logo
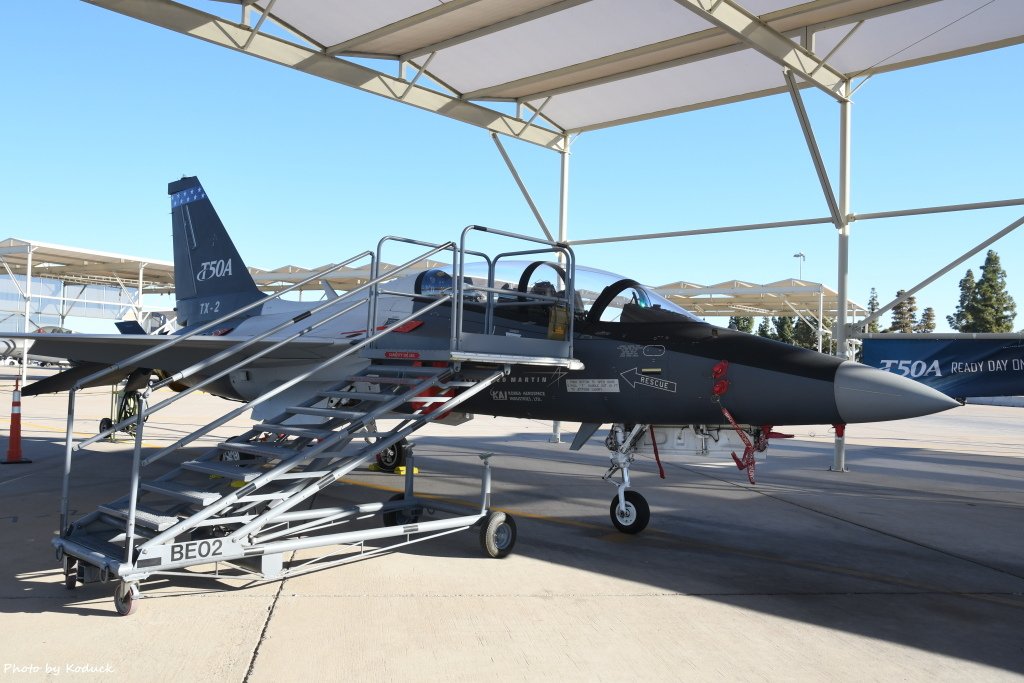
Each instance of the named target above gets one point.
<point>213,269</point>
<point>917,368</point>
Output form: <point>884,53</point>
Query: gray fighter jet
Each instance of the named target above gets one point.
<point>667,382</point>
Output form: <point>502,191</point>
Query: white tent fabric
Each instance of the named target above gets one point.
<point>587,64</point>
<point>609,61</point>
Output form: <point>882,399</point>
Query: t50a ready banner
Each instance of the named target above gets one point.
<point>959,368</point>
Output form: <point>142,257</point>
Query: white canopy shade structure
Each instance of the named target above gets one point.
<point>542,71</point>
<point>790,297</point>
<point>47,282</point>
<point>578,65</point>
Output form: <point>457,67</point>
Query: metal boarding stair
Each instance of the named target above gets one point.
<point>237,505</point>
<point>233,502</point>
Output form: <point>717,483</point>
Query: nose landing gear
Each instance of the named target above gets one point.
<point>629,510</point>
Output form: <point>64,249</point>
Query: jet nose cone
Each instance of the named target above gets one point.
<point>865,394</point>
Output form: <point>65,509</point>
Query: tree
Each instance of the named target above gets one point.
<point>873,306</point>
<point>804,335</point>
<point>961,319</point>
<point>742,323</point>
<point>904,314</point>
<point>991,308</point>
<point>927,322</point>
<point>763,330</point>
<point>783,329</point>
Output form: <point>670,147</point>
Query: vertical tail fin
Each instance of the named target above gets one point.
<point>210,278</point>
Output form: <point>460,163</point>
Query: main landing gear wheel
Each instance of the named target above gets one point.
<point>393,457</point>
<point>105,424</point>
<point>400,517</point>
<point>126,598</point>
<point>498,534</point>
<point>635,517</point>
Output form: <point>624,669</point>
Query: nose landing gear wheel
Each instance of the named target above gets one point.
<point>126,598</point>
<point>498,534</point>
<point>635,517</point>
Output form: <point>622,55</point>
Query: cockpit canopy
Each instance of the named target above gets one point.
<point>600,296</point>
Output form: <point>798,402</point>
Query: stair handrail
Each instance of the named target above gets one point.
<point>177,339</point>
<point>458,256</point>
<point>241,345</point>
<point>293,381</point>
<point>460,285</point>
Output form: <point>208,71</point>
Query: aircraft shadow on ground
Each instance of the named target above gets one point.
<point>709,538</point>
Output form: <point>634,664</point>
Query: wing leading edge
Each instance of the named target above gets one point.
<point>90,353</point>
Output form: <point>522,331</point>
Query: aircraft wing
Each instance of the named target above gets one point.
<point>91,352</point>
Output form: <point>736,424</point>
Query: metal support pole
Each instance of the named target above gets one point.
<point>842,345</point>
<point>65,491</point>
<point>522,185</point>
<point>563,237</point>
<point>28,311</point>
<point>133,493</point>
<point>821,314</point>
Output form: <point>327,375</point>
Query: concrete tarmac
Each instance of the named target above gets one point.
<point>909,566</point>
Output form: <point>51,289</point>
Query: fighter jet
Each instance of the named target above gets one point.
<point>666,381</point>
<point>12,351</point>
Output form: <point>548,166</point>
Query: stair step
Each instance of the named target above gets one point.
<point>223,469</point>
<point>423,370</point>
<point>361,395</point>
<point>428,399</point>
<point>295,430</point>
<point>407,381</point>
<point>146,517</point>
<point>327,412</point>
<point>97,544</point>
<point>183,492</point>
<point>262,450</point>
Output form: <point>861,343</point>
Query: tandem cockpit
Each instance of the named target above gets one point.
<point>536,292</point>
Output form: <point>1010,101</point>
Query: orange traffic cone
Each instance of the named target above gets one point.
<point>14,442</point>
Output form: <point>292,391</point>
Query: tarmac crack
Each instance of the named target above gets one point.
<point>263,631</point>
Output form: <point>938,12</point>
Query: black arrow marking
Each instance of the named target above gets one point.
<point>644,380</point>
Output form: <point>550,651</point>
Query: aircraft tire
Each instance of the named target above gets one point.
<point>636,516</point>
<point>392,457</point>
<point>396,517</point>
<point>498,534</point>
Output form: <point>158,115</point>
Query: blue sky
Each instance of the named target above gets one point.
<point>101,112</point>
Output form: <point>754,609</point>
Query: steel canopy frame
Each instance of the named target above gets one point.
<point>72,266</point>
<point>788,35</point>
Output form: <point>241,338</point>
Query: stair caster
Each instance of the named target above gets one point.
<point>498,534</point>
<point>126,598</point>
<point>70,572</point>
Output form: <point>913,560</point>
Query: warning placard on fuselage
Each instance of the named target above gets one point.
<point>592,386</point>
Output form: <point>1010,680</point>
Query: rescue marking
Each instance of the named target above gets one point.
<point>647,381</point>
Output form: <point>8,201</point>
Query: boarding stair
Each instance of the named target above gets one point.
<point>250,505</point>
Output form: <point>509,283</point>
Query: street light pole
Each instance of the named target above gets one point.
<point>800,255</point>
